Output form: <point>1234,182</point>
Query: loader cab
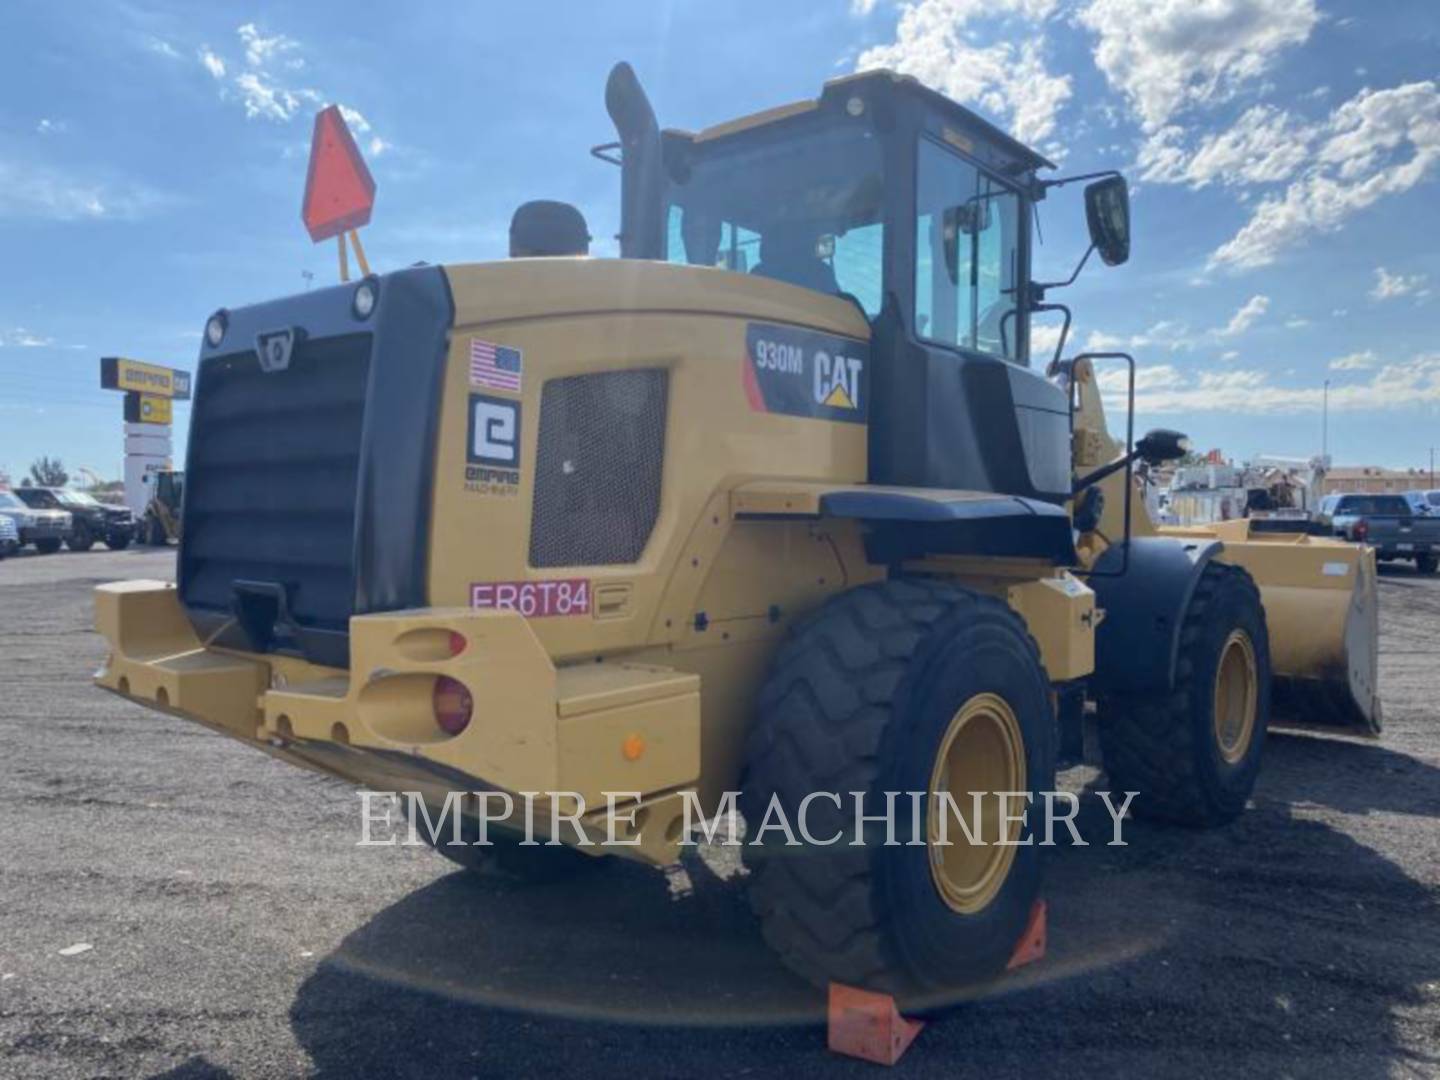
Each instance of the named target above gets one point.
<point>895,199</point>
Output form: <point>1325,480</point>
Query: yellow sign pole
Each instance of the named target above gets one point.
<point>344,259</point>
<point>359,252</point>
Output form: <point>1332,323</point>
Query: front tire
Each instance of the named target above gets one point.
<point>117,541</point>
<point>1426,564</point>
<point>906,686</point>
<point>80,539</point>
<point>1192,754</point>
<point>48,546</point>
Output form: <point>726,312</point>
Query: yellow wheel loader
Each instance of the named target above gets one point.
<point>161,522</point>
<point>772,513</point>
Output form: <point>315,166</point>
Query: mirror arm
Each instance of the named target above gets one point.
<point>1041,286</point>
<point>1046,185</point>
<point>1093,478</point>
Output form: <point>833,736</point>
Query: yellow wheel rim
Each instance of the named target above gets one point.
<point>1236,692</point>
<point>982,751</point>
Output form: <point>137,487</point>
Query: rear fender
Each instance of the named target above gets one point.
<point>1138,641</point>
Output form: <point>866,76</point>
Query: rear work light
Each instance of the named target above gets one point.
<point>452,705</point>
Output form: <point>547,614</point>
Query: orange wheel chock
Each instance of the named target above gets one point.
<point>1031,946</point>
<point>866,1025</point>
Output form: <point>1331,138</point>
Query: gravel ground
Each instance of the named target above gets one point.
<point>236,930</point>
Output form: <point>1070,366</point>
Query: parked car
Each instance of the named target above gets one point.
<point>91,520</point>
<point>1387,524</point>
<point>46,529</point>
<point>1424,502</point>
<point>9,537</point>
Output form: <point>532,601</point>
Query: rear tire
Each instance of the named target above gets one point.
<point>117,541</point>
<point>48,546</point>
<point>80,539</point>
<point>1426,564</point>
<point>1192,754</point>
<point>908,686</point>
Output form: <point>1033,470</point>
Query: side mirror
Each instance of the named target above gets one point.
<point>968,219</point>
<point>1162,445</point>
<point>1107,212</point>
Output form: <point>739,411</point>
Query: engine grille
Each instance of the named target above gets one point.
<point>271,480</point>
<point>598,468</point>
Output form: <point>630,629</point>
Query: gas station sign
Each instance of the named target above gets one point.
<point>151,391</point>
<point>117,373</point>
<point>147,409</point>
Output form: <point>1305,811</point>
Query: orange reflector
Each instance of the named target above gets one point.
<point>633,747</point>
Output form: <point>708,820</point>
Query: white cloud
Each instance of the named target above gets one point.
<point>267,99</point>
<point>1296,322</point>
<point>1045,336</point>
<point>1379,143</point>
<point>30,191</point>
<point>1250,392</point>
<point>261,50</point>
<point>1355,361</point>
<point>1265,145</point>
<point>46,126</point>
<point>212,62</point>
<point>1165,334</point>
<point>1171,336</point>
<point>1247,316</point>
<point>1168,55</point>
<point>266,87</point>
<point>24,339</point>
<point>935,42</point>
<point>162,48</point>
<point>862,7</point>
<point>355,119</point>
<point>1388,285</point>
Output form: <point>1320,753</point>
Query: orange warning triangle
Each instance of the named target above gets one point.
<point>339,190</point>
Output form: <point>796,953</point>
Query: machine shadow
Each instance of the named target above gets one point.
<point>1274,945</point>
<point>1364,776</point>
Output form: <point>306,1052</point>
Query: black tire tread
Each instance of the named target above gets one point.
<point>1147,744</point>
<point>845,661</point>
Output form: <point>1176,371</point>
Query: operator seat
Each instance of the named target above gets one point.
<point>791,257</point>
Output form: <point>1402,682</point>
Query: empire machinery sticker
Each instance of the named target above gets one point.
<point>492,448</point>
<point>806,373</point>
<point>534,599</point>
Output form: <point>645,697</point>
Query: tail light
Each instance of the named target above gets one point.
<point>1361,531</point>
<point>452,705</point>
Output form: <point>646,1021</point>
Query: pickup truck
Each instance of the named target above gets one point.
<point>46,529</point>
<point>90,519</point>
<point>1387,524</point>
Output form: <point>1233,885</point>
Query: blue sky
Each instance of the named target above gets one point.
<point>1283,154</point>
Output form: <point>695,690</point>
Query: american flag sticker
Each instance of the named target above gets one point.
<point>496,367</point>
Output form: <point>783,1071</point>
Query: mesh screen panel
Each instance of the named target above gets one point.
<point>597,472</point>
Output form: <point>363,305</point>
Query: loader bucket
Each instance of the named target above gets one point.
<point>1321,601</point>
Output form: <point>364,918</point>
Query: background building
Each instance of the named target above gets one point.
<point>1374,478</point>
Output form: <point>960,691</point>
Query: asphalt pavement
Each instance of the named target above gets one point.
<point>232,927</point>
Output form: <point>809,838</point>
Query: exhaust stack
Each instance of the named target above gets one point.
<point>641,216</point>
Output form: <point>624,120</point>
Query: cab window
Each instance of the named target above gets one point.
<point>967,244</point>
<point>806,209</point>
